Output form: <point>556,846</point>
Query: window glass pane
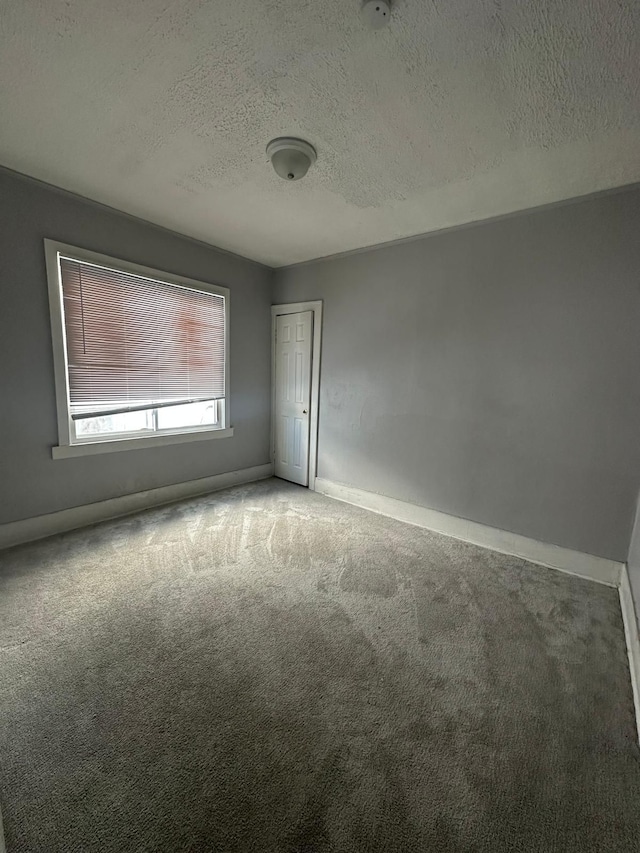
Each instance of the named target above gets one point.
<point>107,424</point>
<point>189,415</point>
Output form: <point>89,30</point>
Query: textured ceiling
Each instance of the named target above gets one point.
<point>459,110</point>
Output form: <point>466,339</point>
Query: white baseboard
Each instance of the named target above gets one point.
<point>553,556</point>
<point>28,529</point>
<point>633,639</point>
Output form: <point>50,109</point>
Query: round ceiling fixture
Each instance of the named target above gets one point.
<point>291,158</point>
<point>376,13</point>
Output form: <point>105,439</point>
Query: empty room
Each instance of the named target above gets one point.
<point>319,426</point>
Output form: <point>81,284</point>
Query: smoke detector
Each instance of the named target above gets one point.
<point>376,13</point>
<point>291,158</point>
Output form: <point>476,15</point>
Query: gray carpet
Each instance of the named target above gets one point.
<point>268,670</point>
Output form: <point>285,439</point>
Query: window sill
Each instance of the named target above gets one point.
<point>89,448</point>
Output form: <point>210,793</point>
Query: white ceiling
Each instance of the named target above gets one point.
<point>459,110</point>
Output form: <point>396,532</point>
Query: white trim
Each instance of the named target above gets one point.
<point>64,451</point>
<point>296,308</point>
<point>632,637</point>
<point>68,444</point>
<point>553,556</point>
<point>58,339</point>
<point>17,532</point>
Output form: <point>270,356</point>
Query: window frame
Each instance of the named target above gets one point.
<point>68,443</point>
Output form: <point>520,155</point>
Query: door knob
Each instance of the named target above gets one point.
<point>304,411</point>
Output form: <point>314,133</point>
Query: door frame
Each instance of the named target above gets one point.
<point>316,347</point>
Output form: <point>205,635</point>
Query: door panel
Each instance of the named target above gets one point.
<point>294,334</point>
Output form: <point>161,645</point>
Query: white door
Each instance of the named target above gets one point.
<point>294,333</point>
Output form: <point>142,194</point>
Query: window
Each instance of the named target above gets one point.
<point>140,355</point>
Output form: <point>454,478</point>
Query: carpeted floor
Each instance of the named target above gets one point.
<point>266,670</point>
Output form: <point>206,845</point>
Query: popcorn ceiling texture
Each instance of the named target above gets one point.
<point>458,110</point>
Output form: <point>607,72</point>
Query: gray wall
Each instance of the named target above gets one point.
<point>491,372</point>
<point>31,482</point>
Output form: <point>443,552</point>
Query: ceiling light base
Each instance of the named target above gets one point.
<point>376,13</point>
<point>291,158</point>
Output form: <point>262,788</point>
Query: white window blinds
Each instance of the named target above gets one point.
<point>135,343</point>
